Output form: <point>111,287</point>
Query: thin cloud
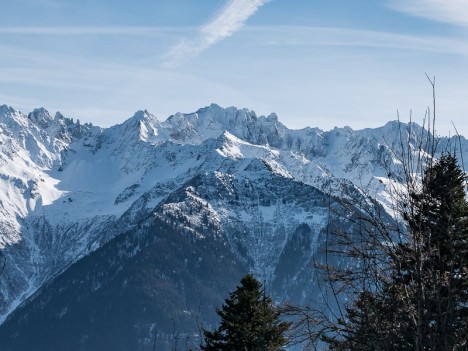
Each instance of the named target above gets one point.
<point>449,11</point>
<point>65,31</point>
<point>345,37</point>
<point>230,20</point>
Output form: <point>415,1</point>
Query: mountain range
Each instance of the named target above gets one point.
<point>130,236</point>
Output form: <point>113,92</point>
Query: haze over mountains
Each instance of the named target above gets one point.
<point>113,236</point>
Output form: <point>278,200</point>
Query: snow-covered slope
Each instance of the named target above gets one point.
<point>67,188</point>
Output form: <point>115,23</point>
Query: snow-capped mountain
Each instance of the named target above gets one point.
<point>252,190</point>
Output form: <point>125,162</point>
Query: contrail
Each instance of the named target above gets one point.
<point>230,20</point>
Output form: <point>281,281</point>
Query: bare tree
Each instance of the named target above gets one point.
<point>397,282</point>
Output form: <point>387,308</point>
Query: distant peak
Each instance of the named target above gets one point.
<point>215,108</point>
<point>143,115</point>
<point>41,117</point>
<point>273,117</point>
<point>213,105</point>
<point>59,115</point>
<point>6,109</point>
<point>140,114</point>
<point>392,123</point>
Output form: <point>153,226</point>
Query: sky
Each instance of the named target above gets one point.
<point>325,64</point>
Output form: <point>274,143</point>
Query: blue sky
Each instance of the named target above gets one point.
<point>319,63</point>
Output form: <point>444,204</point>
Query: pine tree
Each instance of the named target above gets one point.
<point>249,322</point>
<point>442,221</point>
<point>420,299</point>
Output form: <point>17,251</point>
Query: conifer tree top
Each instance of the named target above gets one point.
<point>249,321</point>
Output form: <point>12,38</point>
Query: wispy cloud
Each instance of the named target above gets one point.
<point>449,11</point>
<point>346,37</point>
<point>59,31</point>
<point>230,20</point>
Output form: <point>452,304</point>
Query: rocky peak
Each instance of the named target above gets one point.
<point>144,116</point>
<point>41,117</point>
<point>142,126</point>
<point>5,109</point>
<point>12,117</point>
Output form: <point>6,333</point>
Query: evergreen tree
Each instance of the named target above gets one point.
<point>442,221</point>
<point>420,301</point>
<point>372,324</point>
<point>249,322</point>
